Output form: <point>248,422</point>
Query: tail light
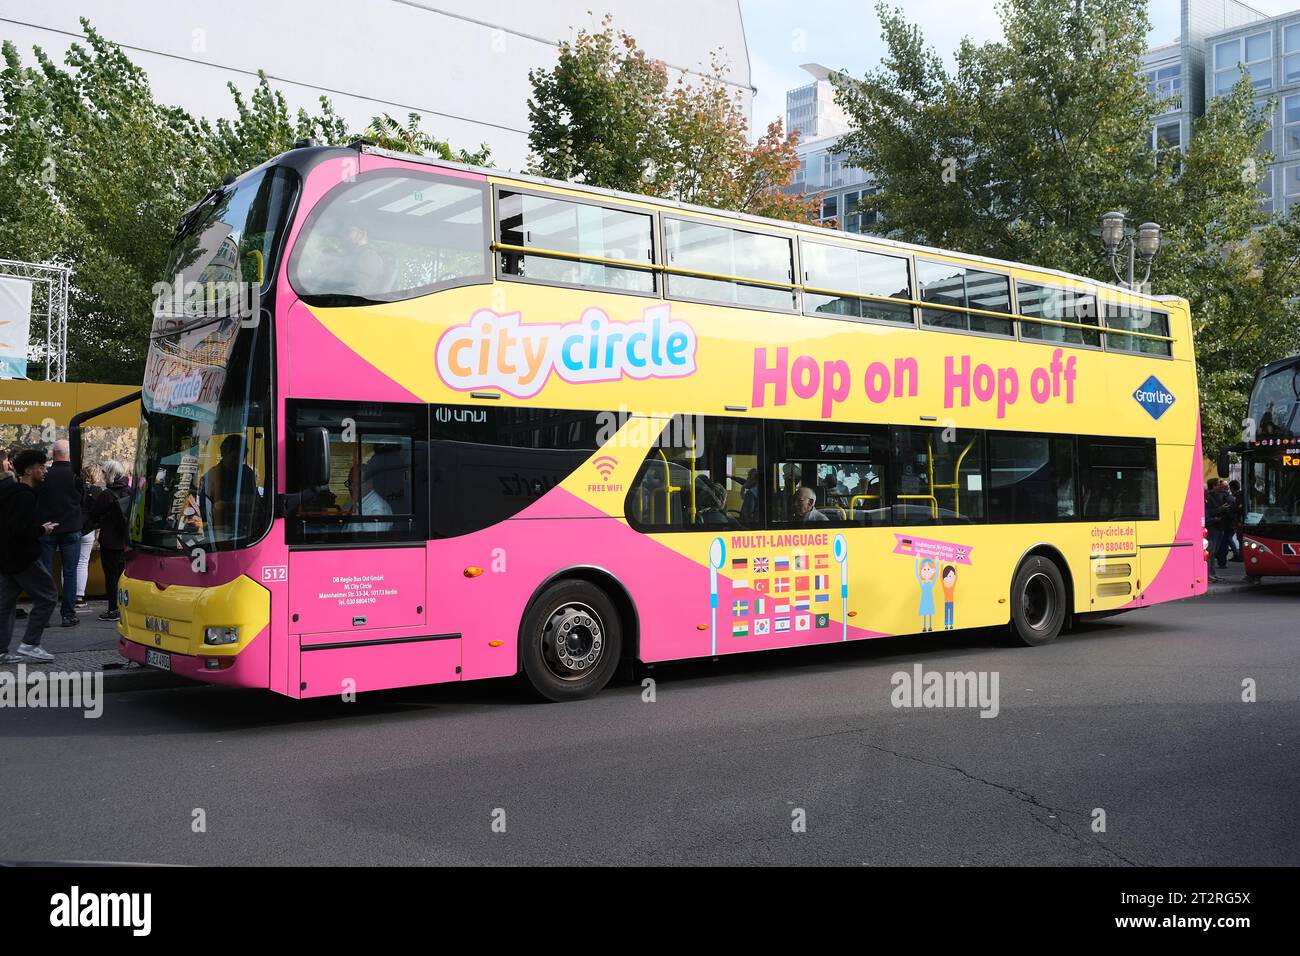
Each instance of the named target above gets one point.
<point>1205,544</point>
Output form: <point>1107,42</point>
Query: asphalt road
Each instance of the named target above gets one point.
<point>1140,716</point>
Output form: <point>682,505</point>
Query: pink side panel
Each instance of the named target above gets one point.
<point>329,671</point>
<point>1175,579</point>
<point>671,590</point>
<point>321,366</point>
<point>331,591</point>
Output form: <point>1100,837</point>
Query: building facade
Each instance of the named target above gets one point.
<point>1269,50</point>
<point>1219,39</point>
<point>462,64</point>
<point>812,112</point>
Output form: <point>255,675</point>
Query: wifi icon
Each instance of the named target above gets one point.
<point>605,465</point>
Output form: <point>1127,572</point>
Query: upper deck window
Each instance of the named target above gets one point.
<point>569,237</point>
<point>725,258</point>
<point>392,235</point>
<point>956,286</point>
<point>852,274</point>
<point>1146,322</point>
<point>1057,305</point>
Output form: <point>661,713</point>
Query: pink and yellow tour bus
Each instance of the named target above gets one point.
<point>455,424</point>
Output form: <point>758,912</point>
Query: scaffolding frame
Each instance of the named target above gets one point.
<point>55,281</point>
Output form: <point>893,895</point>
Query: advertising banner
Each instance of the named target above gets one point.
<point>15,326</point>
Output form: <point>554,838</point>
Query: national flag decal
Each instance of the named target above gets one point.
<point>782,585</point>
<point>760,565</point>
<point>739,608</point>
<point>823,562</point>
<point>739,564</point>
<point>782,564</point>
<point>819,582</point>
<point>740,630</point>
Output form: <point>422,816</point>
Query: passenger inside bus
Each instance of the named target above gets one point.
<point>805,506</point>
<point>365,499</point>
<point>230,487</point>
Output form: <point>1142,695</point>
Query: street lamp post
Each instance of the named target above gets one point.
<point>1142,243</point>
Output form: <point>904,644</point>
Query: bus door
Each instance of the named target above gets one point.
<point>358,585</point>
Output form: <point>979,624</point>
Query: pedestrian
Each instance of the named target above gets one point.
<point>1214,511</point>
<point>1238,519</point>
<point>7,475</point>
<point>21,570</point>
<point>60,502</point>
<point>110,518</point>
<point>90,489</point>
<point>1220,513</point>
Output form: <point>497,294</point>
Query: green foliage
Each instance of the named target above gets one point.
<point>597,115</point>
<point>263,128</point>
<point>95,174</point>
<point>1019,151</point>
<point>605,115</point>
<point>388,133</point>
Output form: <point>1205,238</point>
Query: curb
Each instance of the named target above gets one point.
<point>1243,587</point>
<point>120,679</point>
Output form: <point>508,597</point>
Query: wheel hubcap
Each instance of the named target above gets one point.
<point>573,641</point>
<point>1038,601</point>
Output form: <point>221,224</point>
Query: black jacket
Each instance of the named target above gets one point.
<point>88,495</point>
<point>60,498</point>
<point>20,527</point>
<point>107,516</point>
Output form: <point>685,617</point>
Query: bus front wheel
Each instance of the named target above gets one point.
<point>571,640</point>
<point>1038,598</point>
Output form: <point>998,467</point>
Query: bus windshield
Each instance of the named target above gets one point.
<point>1273,492</point>
<point>203,460</point>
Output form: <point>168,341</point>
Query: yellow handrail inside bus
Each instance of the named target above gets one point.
<point>934,502</point>
<point>1101,327</point>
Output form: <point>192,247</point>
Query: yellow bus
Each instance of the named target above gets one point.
<point>488,424</point>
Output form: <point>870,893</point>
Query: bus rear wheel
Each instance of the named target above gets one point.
<point>1038,598</point>
<point>570,641</point>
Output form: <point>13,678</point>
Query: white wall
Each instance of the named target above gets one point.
<point>462,63</point>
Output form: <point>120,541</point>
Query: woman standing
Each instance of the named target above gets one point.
<point>90,489</point>
<point>107,513</point>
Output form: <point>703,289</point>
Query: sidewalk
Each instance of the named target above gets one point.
<point>91,646</point>
<point>1232,580</point>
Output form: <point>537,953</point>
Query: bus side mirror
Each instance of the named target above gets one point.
<point>1223,463</point>
<point>316,457</point>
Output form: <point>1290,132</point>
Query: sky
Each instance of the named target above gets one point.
<point>844,34</point>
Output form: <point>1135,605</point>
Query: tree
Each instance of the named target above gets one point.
<point>1019,151</point>
<point>605,116</point>
<point>388,133</point>
<point>596,116</point>
<point>263,128</point>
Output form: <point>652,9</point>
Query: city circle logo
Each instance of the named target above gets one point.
<point>1154,398</point>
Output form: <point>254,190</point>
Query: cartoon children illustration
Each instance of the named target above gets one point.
<point>949,578</point>
<point>925,572</point>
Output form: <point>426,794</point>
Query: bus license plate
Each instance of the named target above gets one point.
<point>159,659</point>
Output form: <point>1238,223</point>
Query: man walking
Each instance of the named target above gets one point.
<point>60,502</point>
<point>20,570</point>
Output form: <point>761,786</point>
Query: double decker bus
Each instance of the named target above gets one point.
<point>468,424</point>
<point>1270,472</point>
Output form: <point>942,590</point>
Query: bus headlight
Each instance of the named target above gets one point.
<point>216,636</point>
